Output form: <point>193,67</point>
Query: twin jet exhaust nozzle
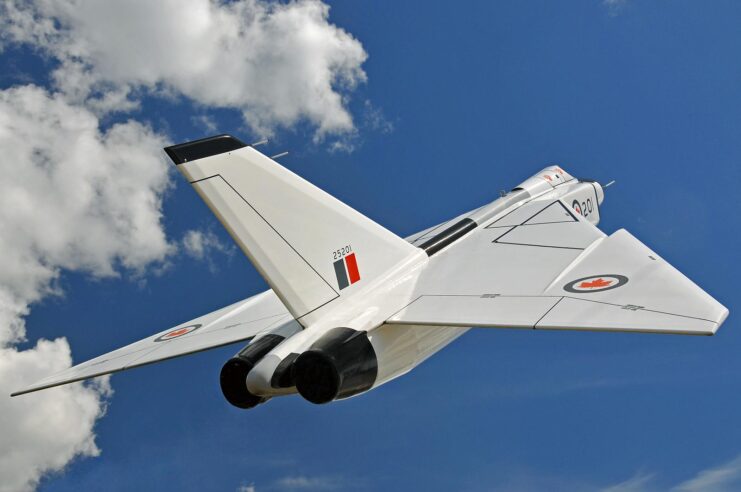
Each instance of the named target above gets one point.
<point>342,363</point>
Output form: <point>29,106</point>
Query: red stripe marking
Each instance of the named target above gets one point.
<point>352,268</point>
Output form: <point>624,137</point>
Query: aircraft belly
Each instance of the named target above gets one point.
<point>399,348</point>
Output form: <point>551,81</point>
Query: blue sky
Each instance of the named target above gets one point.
<point>460,102</point>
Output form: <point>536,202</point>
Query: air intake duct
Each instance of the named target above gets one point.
<point>233,376</point>
<point>340,364</point>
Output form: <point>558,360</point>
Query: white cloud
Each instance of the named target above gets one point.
<point>247,488</point>
<point>200,244</point>
<point>302,482</point>
<point>71,198</point>
<point>278,63</point>
<point>206,122</point>
<point>43,432</point>
<point>203,246</point>
<point>723,478</point>
<point>375,119</point>
<point>78,198</point>
<point>640,482</point>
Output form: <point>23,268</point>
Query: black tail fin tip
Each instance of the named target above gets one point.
<point>205,147</point>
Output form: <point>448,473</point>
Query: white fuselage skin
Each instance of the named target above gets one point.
<point>400,348</point>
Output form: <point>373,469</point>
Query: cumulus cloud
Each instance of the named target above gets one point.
<point>77,195</point>
<point>278,63</point>
<point>43,432</point>
<point>723,478</point>
<point>72,198</point>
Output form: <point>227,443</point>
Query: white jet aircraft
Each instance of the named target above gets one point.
<point>352,306</point>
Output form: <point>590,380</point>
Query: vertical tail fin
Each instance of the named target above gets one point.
<point>310,247</point>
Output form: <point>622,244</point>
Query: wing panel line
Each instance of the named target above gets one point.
<point>546,313</point>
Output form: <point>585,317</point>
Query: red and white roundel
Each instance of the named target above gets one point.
<point>596,283</point>
<point>177,332</point>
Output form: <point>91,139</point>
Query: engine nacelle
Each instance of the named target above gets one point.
<point>342,363</point>
<point>233,376</point>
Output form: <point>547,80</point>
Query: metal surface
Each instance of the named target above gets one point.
<point>532,258</point>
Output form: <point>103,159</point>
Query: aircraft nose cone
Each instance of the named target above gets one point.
<point>599,189</point>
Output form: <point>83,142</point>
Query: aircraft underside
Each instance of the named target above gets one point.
<point>352,306</point>
<point>331,365</point>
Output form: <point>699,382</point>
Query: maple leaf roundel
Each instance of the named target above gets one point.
<point>596,283</point>
<point>177,332</point>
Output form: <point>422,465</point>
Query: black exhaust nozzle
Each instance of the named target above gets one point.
<point>233,377</point>
<point>340,364</point>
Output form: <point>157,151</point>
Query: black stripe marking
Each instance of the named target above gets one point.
<point>339,271</point>
<point>205,147</point>
<point>428,233</point>
<point>448,236</point>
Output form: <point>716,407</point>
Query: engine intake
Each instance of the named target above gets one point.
<point>233,377</point>
<point>340,364</point>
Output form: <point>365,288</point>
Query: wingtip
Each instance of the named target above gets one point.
<point>24,391</point>
<point>723,316</point>
<point>721,319</point>
<point>31,389</point>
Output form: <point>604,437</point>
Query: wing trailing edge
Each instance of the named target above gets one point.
<point>614,284</point>
<point>238,322</point>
